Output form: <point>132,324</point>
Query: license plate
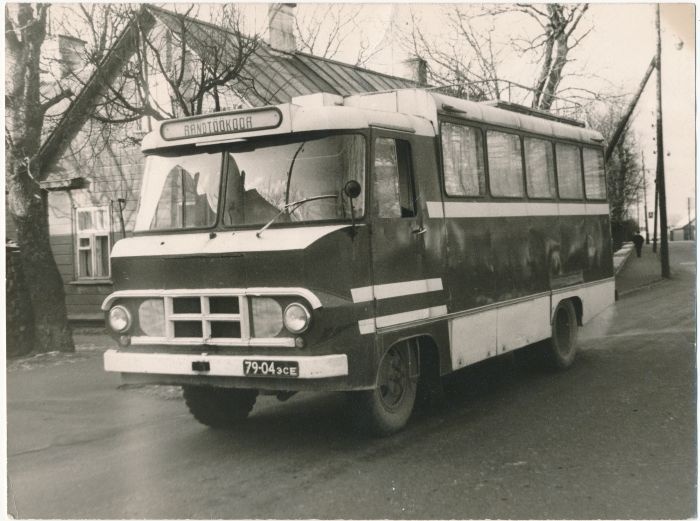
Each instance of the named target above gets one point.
<point>276,368</point>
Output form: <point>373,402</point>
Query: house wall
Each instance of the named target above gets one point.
<point>112,166</point>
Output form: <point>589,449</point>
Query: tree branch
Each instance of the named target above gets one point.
<point>55,99</point>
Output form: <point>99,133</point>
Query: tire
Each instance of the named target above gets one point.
<point>560,350</point>
<point>387,408</point>
<point>218,407</point>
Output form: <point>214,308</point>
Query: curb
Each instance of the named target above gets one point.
<point>623,254</point>
<point>648,285</point>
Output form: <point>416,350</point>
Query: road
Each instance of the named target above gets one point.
<point>614,437</point>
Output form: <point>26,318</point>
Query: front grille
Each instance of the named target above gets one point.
<point>184,318</point>
<point>205,318</point>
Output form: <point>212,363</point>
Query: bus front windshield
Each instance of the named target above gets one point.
<point>182,191</point>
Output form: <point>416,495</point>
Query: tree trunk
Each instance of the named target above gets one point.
<point>24,36</point>
<point>19,333</point>
<point>555,74</point>
<point>28,205</point>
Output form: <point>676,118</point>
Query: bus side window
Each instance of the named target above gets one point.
<point>569,171</point>
<point>463,160</point>
<point>394,194</point>
<point>539,168</point>
<point>505,164</point>
<point>594,173</point>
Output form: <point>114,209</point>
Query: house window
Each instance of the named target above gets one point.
<point>93,227</point>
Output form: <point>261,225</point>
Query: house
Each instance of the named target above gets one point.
<point>684,232</point>
<point>96,170</point>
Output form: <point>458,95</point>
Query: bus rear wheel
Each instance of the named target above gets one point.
<point>218,407</point>
<point>387,408</point>
<point>560,349</point>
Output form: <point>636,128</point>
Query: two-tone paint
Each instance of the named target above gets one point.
<point>476,277</point>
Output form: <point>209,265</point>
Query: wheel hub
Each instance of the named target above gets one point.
<point>393,378</point>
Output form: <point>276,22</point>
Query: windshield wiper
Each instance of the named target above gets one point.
<point>294,205</point>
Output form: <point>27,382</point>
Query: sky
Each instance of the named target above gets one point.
<point>618,50</point>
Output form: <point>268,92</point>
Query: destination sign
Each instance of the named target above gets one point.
<point>222,123</point>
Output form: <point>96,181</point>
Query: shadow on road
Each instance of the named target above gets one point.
<point>324,419</point>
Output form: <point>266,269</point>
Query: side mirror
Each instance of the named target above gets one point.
<point>352,189</point>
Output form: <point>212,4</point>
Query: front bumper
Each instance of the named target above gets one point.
<point>310,367</point>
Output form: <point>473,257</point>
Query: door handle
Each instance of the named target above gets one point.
<point>419,231</point>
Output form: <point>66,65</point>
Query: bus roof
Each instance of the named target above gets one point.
<point>431,105</point>
<point>409,110</point>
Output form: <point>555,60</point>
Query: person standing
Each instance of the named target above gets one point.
<point>638,241</point>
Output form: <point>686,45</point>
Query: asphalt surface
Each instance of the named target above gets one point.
<point>613,437</point>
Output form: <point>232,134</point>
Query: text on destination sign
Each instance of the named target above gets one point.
<point>221,124</point>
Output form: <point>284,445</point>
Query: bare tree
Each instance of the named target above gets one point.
<point>173,65</point>
<point>323,30</point>
<point>469,56</point>
<point>559,23</point>
<point>467,60</point>
<point>27,102</point>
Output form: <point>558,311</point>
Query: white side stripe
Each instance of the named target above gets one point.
<point>515,209</point>
<point>435,210</point>
<point>370,325</point>
<point>395,289</point>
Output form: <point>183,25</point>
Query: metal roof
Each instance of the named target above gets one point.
<point>276,76</point>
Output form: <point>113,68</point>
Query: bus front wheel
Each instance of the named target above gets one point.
<point>218,407</point>
<point>387,408</point>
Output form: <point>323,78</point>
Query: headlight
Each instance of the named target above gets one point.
<point>119,319</point>
<point>267,317</point>
<point>296,318</point>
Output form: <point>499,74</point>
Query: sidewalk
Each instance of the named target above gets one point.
<point>637,272</point>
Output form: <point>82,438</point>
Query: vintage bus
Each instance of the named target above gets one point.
<point>366,244</point>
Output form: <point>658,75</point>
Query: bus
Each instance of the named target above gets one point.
<point>367,244</point>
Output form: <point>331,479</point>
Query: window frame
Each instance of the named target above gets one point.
<point>91,234</point>
<point>478,128</point>
<point>605,177</point>
<point>225,148</point>
<point>174,152</point>
<point>578,146</point>
<point>523,180</point>
<point>404,156</point>
<point>554,186</point>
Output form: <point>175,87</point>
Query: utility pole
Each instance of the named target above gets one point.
<point>656,213</point>
<point>660,182</point>
<point>646,214</point>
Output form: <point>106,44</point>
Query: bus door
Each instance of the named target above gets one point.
<point>405,261</point>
